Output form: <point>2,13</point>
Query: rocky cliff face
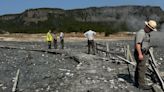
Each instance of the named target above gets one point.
<point>120,13</point>
<point>132,16</point>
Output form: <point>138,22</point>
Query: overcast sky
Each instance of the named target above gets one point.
<point>18,6</point>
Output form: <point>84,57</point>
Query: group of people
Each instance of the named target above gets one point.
<point>141,51</point>
<point>51,37</point>
<point>141,54</point>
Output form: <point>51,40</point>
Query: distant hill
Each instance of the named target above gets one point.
<point>100,19</point>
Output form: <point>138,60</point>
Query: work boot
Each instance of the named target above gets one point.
<point>145,87</point>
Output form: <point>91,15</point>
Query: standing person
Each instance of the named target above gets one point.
<point>90,36</point>
<point>62,40</point>
<point>49,39</point>
<point>55,40</point>
<point>142,44</point>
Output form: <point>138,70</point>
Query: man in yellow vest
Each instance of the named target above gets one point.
<point>49,39</point>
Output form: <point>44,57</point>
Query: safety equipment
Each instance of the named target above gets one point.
<point>151,24</point>
<point>49,37</point>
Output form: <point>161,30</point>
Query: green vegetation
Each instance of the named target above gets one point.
<point>65,25</point>
<point>104,19</point>
<point>59,22</point>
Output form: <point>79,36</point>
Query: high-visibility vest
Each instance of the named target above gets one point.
<point>49,37</point>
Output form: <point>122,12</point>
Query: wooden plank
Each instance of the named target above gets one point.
<point>127,54</point>
<point>98,44</point>
<point>107,49</point>
<point>154,67</point>
<point>152,56</point>
<point>101,50</point>
<point>158,75</point>
<point>130,55</point>
<point>156,88</point>
<point>38,50</point>
<point>16,81</point>
<point>127,57</point>
<point>125,50</point>
<point>132,63</point>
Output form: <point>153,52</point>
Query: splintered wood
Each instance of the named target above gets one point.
<point>15,81</point>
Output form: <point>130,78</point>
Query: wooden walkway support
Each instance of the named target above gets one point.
<point>127,61</point>
<point>16,81</point>
<point>154,67</point>
<point>129,57</point>
<point>101,48</point>
<point>104,48</point>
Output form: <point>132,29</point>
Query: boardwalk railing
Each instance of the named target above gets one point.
<point>102,48</point>
<point>130,61</point>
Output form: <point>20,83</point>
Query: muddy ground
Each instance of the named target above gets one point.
<point>68,70</point>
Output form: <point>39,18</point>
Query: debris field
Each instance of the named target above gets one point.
<point>68,70</point>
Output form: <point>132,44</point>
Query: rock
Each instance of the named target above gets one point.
<point>160,58</point>
<point>105,81</point>
<point>43,55</point>
<point>91,71</point>
<point>78,66</point>
<point>67,73</point>
<point>21,90</point>
<point>109,69</point>
<point>64,69</point>
<point>3,88</point>
<point>1,85</point>
<point>48,88</point>
<point>37,90</point>
<point>121,80</point>
<point>103,67</point>
<point>46,76</point>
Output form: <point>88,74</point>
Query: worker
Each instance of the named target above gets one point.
<point>90,37</point>
<point>55,40</point>
<point>142,44</point>
<point>61,40</point>
<point>49,39</point>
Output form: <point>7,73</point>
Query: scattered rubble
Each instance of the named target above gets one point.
<point>69,70</point>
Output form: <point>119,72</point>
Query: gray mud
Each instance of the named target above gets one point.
<point>71,70</point>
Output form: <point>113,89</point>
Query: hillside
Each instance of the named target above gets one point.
<point>100,19</point>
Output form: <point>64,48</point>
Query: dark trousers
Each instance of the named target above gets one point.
<point>49,44</point>
<point>91,45</point>
<point>140,70</point>
<point>62,43</point>
<point>55,43</point>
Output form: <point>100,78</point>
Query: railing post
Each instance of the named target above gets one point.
<point>127,52</point>
<point>107,49</point>
<point>127,57</point>
<point>96,48</point>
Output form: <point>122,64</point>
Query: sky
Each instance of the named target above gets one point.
<point>18,6</point>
